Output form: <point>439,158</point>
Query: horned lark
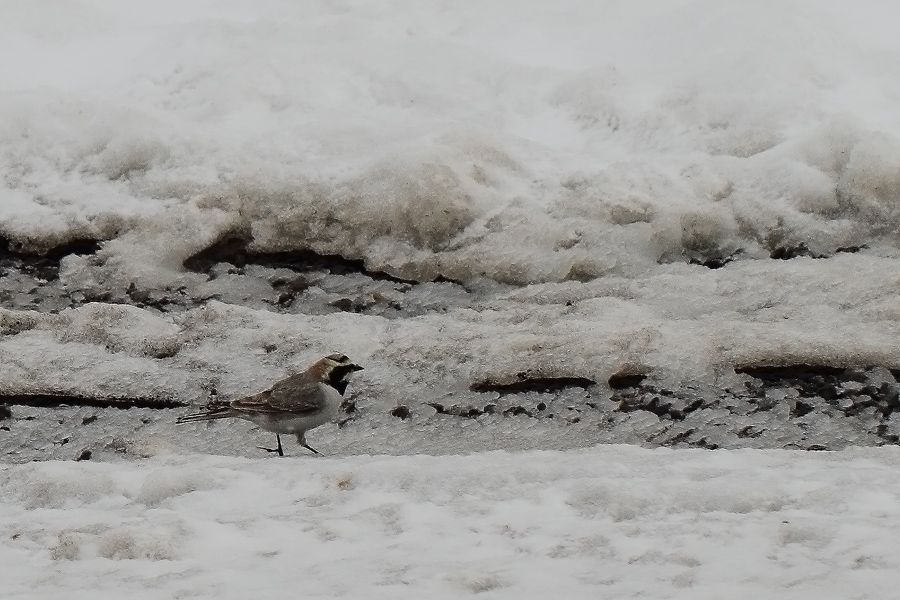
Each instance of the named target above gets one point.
<point>294,405</point>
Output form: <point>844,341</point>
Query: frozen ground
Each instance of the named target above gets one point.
<point>614,521</point>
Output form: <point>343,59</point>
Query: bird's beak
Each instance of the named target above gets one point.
<point>357,368</point>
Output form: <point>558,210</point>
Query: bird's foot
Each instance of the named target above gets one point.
<point>278,451</point>
<point>310,448</point>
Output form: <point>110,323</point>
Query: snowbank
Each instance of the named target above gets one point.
<point>525,142</point>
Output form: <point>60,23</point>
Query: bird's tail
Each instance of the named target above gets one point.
<point>210,412</point>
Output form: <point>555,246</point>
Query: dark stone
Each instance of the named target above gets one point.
<point>5,413</point>
<point>344,305</point>
<point>801,409</point>
<point>624,380</point>
<point>401,412</point>
<point>84,455</point>
<point>89,419</point>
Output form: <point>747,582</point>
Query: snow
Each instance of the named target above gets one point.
<point>617,520</point>
<point>512,147</point>
<point>433,139</point>
<point>841,311</point>
<point>549,181</point>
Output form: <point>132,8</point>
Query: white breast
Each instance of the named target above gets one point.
<point>302,423</point>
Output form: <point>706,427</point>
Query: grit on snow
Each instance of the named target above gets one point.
<point>617,522</point>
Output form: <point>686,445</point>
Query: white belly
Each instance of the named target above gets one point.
<point>288,424</point>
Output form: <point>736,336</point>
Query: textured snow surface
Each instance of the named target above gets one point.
<point>616,521</point>
<point>563,172</point>
<point>199,198</point>
<point>519,140</point>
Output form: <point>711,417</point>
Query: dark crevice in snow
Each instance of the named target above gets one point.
<point>527,383</point>
<point>43,264</point>
<point>851,249</point>
<point>67,400</point>
<point>234,249</point>
<point>789,252</point>
<point>715,260</point>
<point>801,249</point>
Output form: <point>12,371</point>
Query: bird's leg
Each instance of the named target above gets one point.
<point>301,439</point>
<point>278,449</point>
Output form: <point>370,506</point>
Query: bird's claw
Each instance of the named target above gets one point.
<point>278,451</point>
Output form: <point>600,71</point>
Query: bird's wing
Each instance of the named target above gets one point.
<point>297,394</point>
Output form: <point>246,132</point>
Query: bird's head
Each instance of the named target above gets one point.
<point>335,370</point>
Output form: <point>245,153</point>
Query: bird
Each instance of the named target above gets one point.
<point>293,405</point>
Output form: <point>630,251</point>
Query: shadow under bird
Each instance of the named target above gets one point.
<point>293,405</point>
